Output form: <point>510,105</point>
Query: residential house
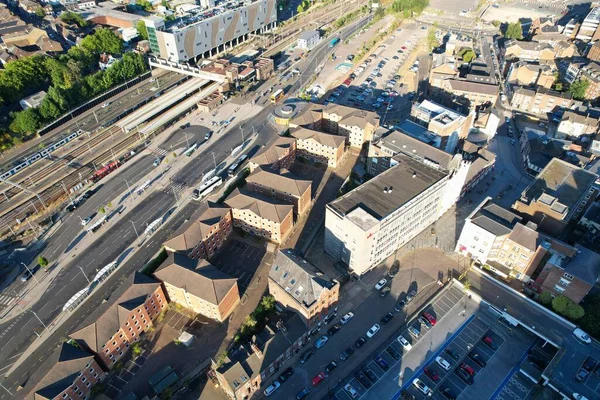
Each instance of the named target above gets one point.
<point>594,52</point>
<point>556,196</point>
<point>299,286</point>
<point>564,50</point>
<point>279,155</point>
<point>261,216</point>
<point>198,286</point>
<point>469,94</point>
<point>539,101</point>
<point>572,276</point>
<point>205,236</point>
<point>588,27</point>
<point>440,73</point>
<point>284,187</point>
<point>527,74</point>
<point>575,125</point>
<point>112,330</point>
<point>72,373</point>
<point>590,221</point>
<point>542,53</point>
<point>319,147</point>
<point>591,73</point>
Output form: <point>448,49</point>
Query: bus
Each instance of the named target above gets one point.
<point>235,166</point>
<point>333,42</point>
<point>207,187</point>
<point>275,97</point>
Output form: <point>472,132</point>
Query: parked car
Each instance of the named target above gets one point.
<point>424,321</point>
<point>582,374</point>
<point>302,394</point>
<point>346,318</point>
<point>369,374</point>
<point>405,343</point>
<point>373,330</point>
<point>304,357</point>
<point>321,341</point>
<point>451,353</point>
<point>346,354</point>
<point>334,329</point>
<point>380,284</point>
<point>382,363</point>
<point>421,386</point>
<point>385,291</point>
<point>466,367</point>
<point>442,363</point>
<point>351,391</point>
<point>393,353</point>
<point>464,376</point>
<point>285,375</point>
<point>582,336</point>
<point>361,340</point>
<point>320,377</point>
<point>400,305</point>
<point>359,376</point>
<point>431,374</point>
<point>477,359</point>
<point>447,393</point>
<point>430,318</point>
<point>490,342</point>
<point>387,318</point>
<point>272,388</point>
<point>414,331</point>
<point>330,367</point>
<point>411,295</point>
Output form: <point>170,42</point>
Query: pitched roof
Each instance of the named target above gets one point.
<point>493,218</point>
<point>352,116</point>
<point>531,46</point>
<point>324,139</point>
<point>273,153</point>
<point>198,277</point>
<point>65,365</point>
<point>313,113</point>
<point>97,333</point>
<point>262,206</point>
<point>198,229</point>
<point>473,87</point>
<point>574,117</point>
<point>284,182</point>
<point>299,278</point>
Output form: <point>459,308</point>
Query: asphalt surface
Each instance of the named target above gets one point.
<point>96,116</point>
<point>115,241</point>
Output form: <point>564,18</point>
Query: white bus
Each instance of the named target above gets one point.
<point>207,187</point>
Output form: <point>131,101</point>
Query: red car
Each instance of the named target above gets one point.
<point>430,318</point>
<point>319,378</point>
<point>490,342</point>
<point>431,374</point>
<point>466,367</point>
<point>403,47</point>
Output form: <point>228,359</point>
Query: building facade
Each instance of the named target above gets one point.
<point>575,125</point>
<point>205,33</point>
<point>298,286</point>
<point>308,40</point>
<point>198,286</point>
<point>540,101</point>
<point>591,74</point>
<point>319,147</point>
<point>366,225</point>
<point>261,216</point>
<point>281,154</point>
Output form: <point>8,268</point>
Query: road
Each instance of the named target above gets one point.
<point>116,241</point>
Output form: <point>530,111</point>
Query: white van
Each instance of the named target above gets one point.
<point>582,336</point>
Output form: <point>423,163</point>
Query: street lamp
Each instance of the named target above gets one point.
<point>30,273</point>
<point>136,232</point>
<point>41,322</point>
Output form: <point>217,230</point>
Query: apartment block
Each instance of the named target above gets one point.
<point>300,287</point>
<point>261,216</point>
<point>558,195</point>
<point>115,328</point>
<point>279,155</point>
<point>319,147</point>
<point>589,25</point>
<point>466,93</point>
<point>285,187</point>
<point>529,51</point>
<point>575,125</point>
<point>591,73</point>
<point>73,372</point>
<point>594,52</point>
<point>199,286</point>
<point>203,33</point>
<point>204,237</point>
<point>367,224</point>
<point>540,101</point>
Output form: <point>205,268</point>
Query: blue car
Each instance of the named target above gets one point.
<point>321,341</point>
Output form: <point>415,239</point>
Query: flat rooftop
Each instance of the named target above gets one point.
<point>390,190</point>
<point>195,16</point>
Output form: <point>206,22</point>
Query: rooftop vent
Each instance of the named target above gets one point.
<point>414,174</point>
<point>385,189</point>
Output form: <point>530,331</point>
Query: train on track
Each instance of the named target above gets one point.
<point>41,154</point>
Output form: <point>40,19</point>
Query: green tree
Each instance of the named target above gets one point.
<point>70,17</point>
<point>103,40</point>
<point>496,23</point>
<point>467,55</point>
<point>574,312</point>
<point>136,349</point>
<point>27,121</point>
<point>300,9</point>
<point>42,261</point>
<point>409,8</point>
<point>145,4</point>
<point>432,40</point>
<point>268,302</point>
<point>546,298</point>
<point>101,210</point>
<point>142,30</point>
<point>578,88</point>
<point>590,322</point>
<point>514,31</point>
<point>39,12</point>
<point>560,304</point>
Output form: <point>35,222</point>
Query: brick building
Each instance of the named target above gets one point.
<point>279,155</point>
<point>285,187</point>
<point>591,73</point>
<point>540,101</point>
<point>199,286</point>
<point>112,330</point>
<point>205,236</point>
<point>260,215</point>
<point>594,52</point>
<point>319,147</point>
<point>72,374</point>
<point>529,51</point>
<point>298,286</point>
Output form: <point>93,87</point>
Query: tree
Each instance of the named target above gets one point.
<point>467,55</point>
<point>300,9</point>
<point>560,304</point>
<point>103,40</point>
<point>42,261</point>
<point>574,312</point>
<point>70,17</point>
<point>496,23</point>
<point>101,209</point>
<point>432,40</point>
<point>590,322</point>
<point>268,303</point>
<point>39,12</point>
<point>546,298</point>
<point>27,121</point>
<point>145,4</point>
<point>514,31</point>
<point>142,30</point>
<point>578,88</point>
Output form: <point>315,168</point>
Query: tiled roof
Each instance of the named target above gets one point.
<point>198,229</point>
<point>285,182</point>
<point>473,87</point>
<point>198,277</point>
<point>262,206</point>
<point>325,139</point>
<point>493,218</point>
<point>274,152</point>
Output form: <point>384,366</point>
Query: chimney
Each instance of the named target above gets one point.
<point>390,189</point>
<point>385,189</point>
<point>414,174</point>
<point>256,350</point>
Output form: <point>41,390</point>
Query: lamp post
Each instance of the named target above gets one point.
<point>30,273</point>
<point>135,230</point>
<point>86,278</point>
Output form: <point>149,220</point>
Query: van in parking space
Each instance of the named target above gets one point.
<point>414,331</point>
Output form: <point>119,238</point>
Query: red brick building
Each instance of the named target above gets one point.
<point>72,374</point>
<point>204,236</point>
<point>279,155</point>
<point>110,333</point>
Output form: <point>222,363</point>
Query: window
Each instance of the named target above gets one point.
<point>568,276</point>
<point>559,289</point>
<point>83,379</point>
<point>564,282</point>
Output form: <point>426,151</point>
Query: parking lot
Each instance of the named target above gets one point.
<point>460,337</point>
<point>240,260</point>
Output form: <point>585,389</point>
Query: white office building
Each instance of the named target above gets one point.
<point>308,40</point>
<point>366,225</point>
<point>589,25</point>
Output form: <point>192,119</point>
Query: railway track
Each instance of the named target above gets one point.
<point>55,193</point>
<point>39,178</point>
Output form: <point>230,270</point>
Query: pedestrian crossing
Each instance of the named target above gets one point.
<point>175,187</point>
<point>160,152</point>
<point>6,299</point>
